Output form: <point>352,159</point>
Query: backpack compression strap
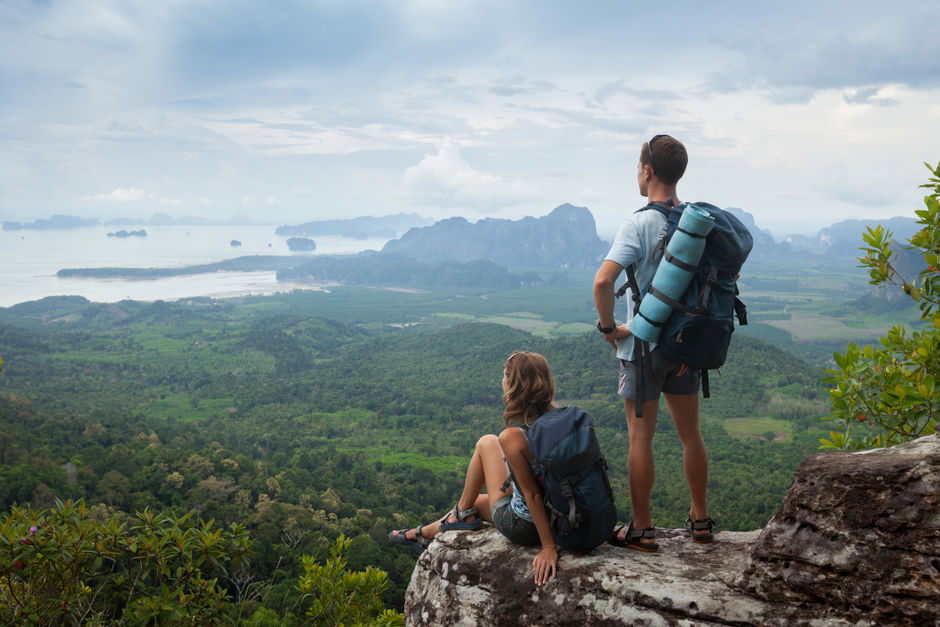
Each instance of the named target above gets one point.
<point>643,345</point>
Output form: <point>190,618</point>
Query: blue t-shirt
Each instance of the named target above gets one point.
<point>635,243</point>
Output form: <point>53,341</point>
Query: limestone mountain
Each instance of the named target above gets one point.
<point>566,237</point>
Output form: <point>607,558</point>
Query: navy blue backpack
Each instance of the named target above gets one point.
<point>572,473</point>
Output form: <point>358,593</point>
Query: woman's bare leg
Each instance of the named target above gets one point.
<point>487,468</point>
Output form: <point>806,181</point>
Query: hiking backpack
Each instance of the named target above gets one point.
<point>698,331</point>
<point>572,473</point>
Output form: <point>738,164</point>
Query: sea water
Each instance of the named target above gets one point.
<point>30,259</point>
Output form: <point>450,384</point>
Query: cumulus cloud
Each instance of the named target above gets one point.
<point>120,194</point>
<point>446,179</point>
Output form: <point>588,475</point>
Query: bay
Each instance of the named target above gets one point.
<point>30,259</point>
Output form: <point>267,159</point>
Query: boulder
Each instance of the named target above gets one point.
<point>858,533</point>
<point>854,543</point>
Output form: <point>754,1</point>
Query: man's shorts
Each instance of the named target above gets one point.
<point>660,374</point>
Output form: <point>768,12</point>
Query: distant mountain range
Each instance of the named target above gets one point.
<point>566,237</point>
<point>845,237</point>
<point>358,228</point>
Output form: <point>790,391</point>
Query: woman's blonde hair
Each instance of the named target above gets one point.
<point>529,388</point>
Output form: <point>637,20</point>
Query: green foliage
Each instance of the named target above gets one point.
<point>61,566</point>
<point>339,596</point>
<point>884,395</point>
<point>303,428</point>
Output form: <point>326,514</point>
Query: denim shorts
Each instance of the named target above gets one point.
<point>517,530</point>
<point>661,374</point>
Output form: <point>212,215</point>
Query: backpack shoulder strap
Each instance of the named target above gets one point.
<point>511,477</point>
<point>658,205</point>
<point>631,284</point>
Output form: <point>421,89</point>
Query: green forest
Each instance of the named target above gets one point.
<point>304,429</point>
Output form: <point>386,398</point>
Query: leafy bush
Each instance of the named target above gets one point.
<point>61,566</point>
<point>341,597</point>
<point>885,395</point>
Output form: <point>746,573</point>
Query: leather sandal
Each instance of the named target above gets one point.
<point>399,536</point>
<point>461,522</point>
<point>633,538</point>
<point>695,527</point>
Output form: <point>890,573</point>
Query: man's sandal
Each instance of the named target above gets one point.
<point>700,530</point>
<point>461,522</point>
<point>420,543</point>
<point>633,538</point>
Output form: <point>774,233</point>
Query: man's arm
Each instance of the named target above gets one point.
<point>604,282</point>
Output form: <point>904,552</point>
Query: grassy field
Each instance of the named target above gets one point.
<point>809,326</point>
<point>759,428</point>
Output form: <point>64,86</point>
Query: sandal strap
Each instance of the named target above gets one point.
<point>463,514</point>
<point>649,532</point>
<point>699,525</point>
<point>419,536</point>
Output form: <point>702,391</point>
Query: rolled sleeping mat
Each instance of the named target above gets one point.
<point>671,279</point>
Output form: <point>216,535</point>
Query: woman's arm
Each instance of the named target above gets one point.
<point>517,453</point>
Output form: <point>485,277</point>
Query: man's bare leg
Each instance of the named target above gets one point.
<point>640,462</point>
<point>684,410</point>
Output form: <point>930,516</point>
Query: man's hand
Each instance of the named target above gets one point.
<point>619,333</point>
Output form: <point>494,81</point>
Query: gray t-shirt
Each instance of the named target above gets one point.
<point>635,243</point>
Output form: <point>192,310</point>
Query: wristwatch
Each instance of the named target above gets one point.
<point>605,330</point>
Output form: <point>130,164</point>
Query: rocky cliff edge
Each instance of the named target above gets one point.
<point>855,542</point>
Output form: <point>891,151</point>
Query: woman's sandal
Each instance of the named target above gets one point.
<point>461,521</point>
<point>633,538</point>
<point>399,536</point>
<point>695,527</point>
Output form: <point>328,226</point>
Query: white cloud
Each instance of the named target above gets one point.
<point>446,179</point>
<point>120,194</point>
<point>272,200</point>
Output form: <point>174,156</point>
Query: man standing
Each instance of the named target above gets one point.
<point>662,163</point>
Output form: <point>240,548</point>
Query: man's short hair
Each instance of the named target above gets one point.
<point>669,158</point>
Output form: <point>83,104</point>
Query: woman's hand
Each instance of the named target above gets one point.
<point>545,564</point>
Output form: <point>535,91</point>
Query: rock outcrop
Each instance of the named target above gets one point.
<point>854,543</point>
<point>859,534</point>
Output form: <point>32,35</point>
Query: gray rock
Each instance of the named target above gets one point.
<point>855,543</point>
<point>858,533</point>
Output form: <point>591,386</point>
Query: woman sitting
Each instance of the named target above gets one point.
<point>514,507</point>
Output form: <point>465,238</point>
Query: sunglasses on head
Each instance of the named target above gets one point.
<point>649,147</point>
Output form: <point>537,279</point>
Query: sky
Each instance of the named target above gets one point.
<point>801,113</point>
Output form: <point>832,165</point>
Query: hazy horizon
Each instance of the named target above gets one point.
<point>605,230</point>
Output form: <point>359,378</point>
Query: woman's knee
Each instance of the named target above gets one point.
<point>487,442</point>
